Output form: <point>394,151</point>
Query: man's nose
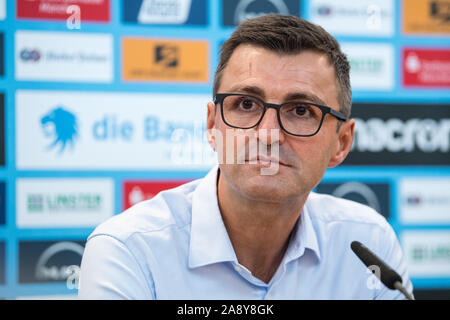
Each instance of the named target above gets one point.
<point>269,130</point>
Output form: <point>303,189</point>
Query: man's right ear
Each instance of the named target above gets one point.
<point>211,125</point>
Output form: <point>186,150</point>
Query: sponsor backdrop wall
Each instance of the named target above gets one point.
<point>103,104</point>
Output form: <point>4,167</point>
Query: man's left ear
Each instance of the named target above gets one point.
<point>210,125</point>
<point>344,143</point>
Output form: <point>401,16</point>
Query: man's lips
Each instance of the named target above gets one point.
<point>265,160</point>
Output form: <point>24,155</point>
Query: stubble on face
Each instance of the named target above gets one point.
<point>269,181</point>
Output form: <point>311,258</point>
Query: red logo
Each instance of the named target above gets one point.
<point>426,67</point>
<point>137,191</point>
<point>86,10</point>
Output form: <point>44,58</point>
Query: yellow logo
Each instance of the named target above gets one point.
<point>426,16</point>
<point>164,60</point>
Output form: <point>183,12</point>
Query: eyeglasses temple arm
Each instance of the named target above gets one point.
<point>339,115</point>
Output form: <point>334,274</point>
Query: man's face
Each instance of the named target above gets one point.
<point>276,79</point>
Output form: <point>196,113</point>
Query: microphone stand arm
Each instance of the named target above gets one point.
<point>402,289</point>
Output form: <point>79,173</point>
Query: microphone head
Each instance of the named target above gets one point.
<point>387,275</point>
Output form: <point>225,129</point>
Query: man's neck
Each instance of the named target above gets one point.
<point>259,231</point>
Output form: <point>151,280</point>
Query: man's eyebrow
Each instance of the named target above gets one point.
<point>304,97</point>
<point>249,90</point>
<point>294,96</point>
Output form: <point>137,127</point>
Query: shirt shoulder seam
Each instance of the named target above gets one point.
<point>156,230</point>
<point>131,234</point>
<point>151,290</point>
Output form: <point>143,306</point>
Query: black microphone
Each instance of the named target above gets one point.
<point>387,275</point>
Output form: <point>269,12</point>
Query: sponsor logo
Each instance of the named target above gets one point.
<point>167,56</point>
<point>165,60</point>
<point>2,262</point>
<point>372,65</point>
<point>388,134</point>
<point>236,11</point>
<point>61,127</point>
<point>423,253</point>
<point>2,203</point>
<point>82,57</point>
<point>425,200</point>
<point>91,10</point>
<point>32,55</point>
<point>96,131</point>
<point>440,10</point>
<point>426,67</point>
<point>372,194</point>
<point>173,12</point>
<point>137,191</point>
<point>48,261</point>
<point>362,18</point>
<point>426,16</point>
<point>427,253</point>
<point>64,202</point>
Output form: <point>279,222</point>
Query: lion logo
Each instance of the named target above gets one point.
<point>61,126</point>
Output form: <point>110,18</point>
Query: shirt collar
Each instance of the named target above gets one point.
<point>304,237</point>
<point>209,240</point>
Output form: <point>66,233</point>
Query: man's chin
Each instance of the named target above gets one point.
<point>265,188</point>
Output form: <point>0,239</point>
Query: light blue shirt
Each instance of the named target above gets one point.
<point>175,246</point>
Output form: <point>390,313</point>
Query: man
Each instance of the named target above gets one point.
<point>241,233</point>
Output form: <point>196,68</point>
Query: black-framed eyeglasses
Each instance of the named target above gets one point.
<point>298,118</point>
